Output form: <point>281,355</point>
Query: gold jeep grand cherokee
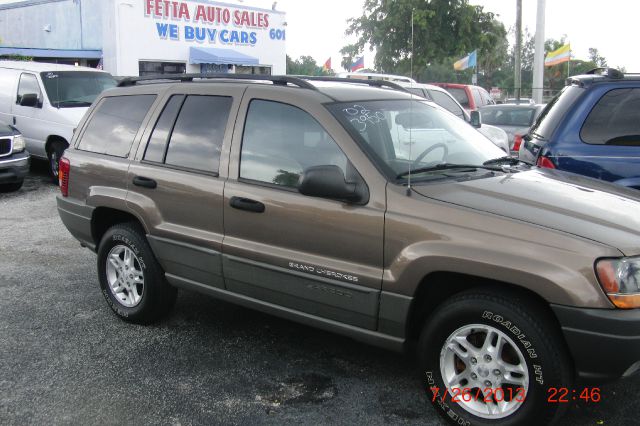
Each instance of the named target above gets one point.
<point>358,208</point>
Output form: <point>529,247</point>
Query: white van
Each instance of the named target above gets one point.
<point>46,102</point>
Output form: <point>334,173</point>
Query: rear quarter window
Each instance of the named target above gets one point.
<point>114,124</point>
<point>460,95</point>
<point>615,119</point>
<point>553,113</point>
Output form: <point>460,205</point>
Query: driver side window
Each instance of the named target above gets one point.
<point>280,141</point>
<point>28,84</point>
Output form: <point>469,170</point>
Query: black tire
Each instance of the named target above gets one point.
<point>157,296</point>
<point>11,187</point>
<point>537,338</point>
<point>54,154</point>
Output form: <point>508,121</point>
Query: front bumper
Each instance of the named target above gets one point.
<point>15,167</point>
<point>604,343</point>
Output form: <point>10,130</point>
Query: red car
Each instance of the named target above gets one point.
<point>470,97</point>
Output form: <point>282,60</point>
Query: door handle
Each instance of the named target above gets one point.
<point>14,120</point>
<point>247,204</point>
<point>145,182</point>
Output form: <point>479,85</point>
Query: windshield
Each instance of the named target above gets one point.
<point>506,116</point>
<point>402,134</point>
<point>67,89</point>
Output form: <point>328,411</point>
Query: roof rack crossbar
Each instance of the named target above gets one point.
<point>281,80</point>
<point>374,83</point>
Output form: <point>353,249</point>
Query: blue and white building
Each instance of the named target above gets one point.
<point>139,37</point>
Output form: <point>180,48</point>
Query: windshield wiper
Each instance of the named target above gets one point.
<point>72,104</point>
<point>512,161</point>
<point>449,166</point>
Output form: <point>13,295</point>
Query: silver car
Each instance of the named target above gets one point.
<point>515,119</point>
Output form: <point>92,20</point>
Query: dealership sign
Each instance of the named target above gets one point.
<point>205,23</point>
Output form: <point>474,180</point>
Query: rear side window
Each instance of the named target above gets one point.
<point>446,102</point>
<point>460,95</point>
<point>476,97</point>
<point>160,136</point>
<point>114,124</point>
<point>614,120</point>
<point>196,140</point>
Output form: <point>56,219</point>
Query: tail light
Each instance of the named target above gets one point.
<point>517,141</point>
<point>64,167</point>
<point>545,162</point>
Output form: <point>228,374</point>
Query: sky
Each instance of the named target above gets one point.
<point>316,28</point>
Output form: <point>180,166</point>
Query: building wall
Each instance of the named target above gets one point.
<point>52,24</point>
<point>132,32</point>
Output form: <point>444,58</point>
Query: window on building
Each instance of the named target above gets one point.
<point>196,140</point>
<point>28,84</point>
<point>241,69</point>
<point>154,68</point>
<point>615,120</point>
<point>280,141</point>
<point>114,124</point>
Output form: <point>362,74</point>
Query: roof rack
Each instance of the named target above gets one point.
<point>281,80</point>
<point>374,83</point>
<point>608,72</point>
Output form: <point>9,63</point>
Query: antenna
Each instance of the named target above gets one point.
<point>410,114</point>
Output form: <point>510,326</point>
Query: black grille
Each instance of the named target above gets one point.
<point>5,147</point>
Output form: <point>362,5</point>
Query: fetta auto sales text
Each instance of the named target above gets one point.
<point>201,13</point>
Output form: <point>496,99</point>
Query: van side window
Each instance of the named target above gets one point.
<point>28,84</point>
<point>281,141</point>
<point>114,124</point>
<point>196,140</point>
<point>158,141</point>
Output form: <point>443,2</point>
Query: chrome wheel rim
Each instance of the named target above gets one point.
<point>125,276</point>
<point>488,366</point>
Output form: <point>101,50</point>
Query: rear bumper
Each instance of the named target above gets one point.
<point>604,343</point>
<point>77,218</point>
<point>14,168</point>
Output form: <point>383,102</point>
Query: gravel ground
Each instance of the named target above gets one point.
<point>66,359</point>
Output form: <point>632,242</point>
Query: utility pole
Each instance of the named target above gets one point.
<point>538,58</point>
<point>518,65</point>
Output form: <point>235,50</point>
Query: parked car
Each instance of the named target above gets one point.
<point>591,128</point>
<point>518,101</point>
<point>469,96</point>
<point>294,198</point>
<point>443,98</point>
<point>46,102</point>
<point>376,76</point>
<point>515,119</point>
<point>14,159</point>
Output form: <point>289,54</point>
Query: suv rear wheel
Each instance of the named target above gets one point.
<point>131,279</point>
<point>486,359</point>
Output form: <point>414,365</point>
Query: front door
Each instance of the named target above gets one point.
<point>319,256</point>
<point>30,120</point>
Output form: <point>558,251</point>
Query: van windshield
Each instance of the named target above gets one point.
<point>68,89</point>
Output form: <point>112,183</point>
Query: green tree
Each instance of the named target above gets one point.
<point>596,58</point>
<point>305,65</point>
<point>443,30</point>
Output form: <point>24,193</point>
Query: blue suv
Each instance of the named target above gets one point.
<point>591,128</point>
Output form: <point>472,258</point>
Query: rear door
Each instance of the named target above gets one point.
<point>319,256</point>
<point>177,181</point>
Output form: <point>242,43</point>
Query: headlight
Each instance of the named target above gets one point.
<point>18,143</point>
<point>620,279</point>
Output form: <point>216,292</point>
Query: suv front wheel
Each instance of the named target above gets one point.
<point>487,359</point>
<point>131,280</point>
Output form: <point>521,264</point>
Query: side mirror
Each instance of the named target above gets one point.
<point>329,182</point>
<point>475,120</point>
<point>29,100</point>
